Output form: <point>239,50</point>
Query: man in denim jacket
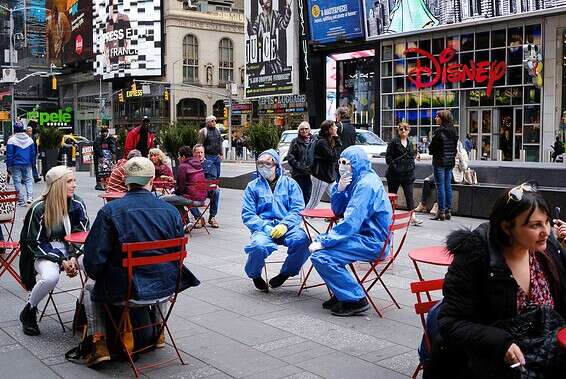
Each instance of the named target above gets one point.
<point>138,217</point>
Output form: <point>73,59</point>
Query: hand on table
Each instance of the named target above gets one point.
<point>315,246</point>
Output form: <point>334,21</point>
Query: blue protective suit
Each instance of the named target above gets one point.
<point>360,235</point>
<point>263,209</point>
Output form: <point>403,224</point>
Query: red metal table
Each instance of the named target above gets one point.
<point>109,196</point>
<point>432,255</point>
<point>163,186</point>
<point>77,238</point>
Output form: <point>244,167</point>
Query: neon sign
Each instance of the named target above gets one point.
<point>443,71</point>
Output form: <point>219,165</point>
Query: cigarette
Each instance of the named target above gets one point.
<point>515,365</point>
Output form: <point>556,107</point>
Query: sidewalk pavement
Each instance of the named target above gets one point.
<point>226,329</point>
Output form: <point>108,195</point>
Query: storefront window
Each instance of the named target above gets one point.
<point>356,89</point>
<point>498,38</point>
<point>482,40</point>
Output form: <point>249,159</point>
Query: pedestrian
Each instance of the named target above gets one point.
<point>468,144</point>
<point>211,138</point>
<point>359,197</point>
<point>36,178</point>
<point>162,164</point>
<point>558,148</point>
<point>104,148</point>
<point>504,295</point>
<point>400,160</point>
<point>20,155</point>
<point>297,158</point>
<point>346,130</point>
<point>325,164</point>
<point>140,138</point>
<point>199,160</point>
<point>270,210</point>
<point>116,182</point>
<point>44,251</point>
<point>443,149</point>
<point>137,217</point>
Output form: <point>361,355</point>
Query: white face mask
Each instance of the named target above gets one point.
<point>344,169</point>
<point>266,172</point>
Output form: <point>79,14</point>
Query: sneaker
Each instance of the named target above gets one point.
<point>260,284</point>
<point>29,201</point>
<point>199,224</point>
<point>447,215</point>
<point>99,352</point>
<point>213,223</point>
<point>434,209</point>
<point>278,280</point>
<point>421,208</point>
<point>415,221</point>
<point>28,317</point>
<point>188,227</point>
<point>350,308</point>
<point>328,304</point>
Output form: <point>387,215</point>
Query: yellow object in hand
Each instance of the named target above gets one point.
<point>279,231</point>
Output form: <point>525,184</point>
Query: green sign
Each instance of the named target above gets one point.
<point>56,117</point>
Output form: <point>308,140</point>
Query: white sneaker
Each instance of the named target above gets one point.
<point>415,221</point>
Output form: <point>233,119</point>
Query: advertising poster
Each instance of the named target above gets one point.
<point>127,38</point>
<point>399,16</point>
<point>271,47</point>
<point>68,31</point>
<point>335,20</point>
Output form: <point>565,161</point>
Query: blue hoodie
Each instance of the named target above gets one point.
<point>364,204</point>
<point>20,150</point>
<point>263,209</point>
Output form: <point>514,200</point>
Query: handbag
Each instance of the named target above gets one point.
<point>470,177</point>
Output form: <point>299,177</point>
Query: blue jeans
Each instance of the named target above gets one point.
<point>443,179</point>
<point>214,196</point>
<point>19,174</point>
<point>215,159</point>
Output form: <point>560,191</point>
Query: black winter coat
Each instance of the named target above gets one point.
<point>325,166</point>
<point>347,134</point>
<point>400,160</point>
<point>479,290</point>
<point>444,146</point>
<point>297,156</point>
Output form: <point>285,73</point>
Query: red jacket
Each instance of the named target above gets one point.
<point>189,172</point>
<point>133,138</point>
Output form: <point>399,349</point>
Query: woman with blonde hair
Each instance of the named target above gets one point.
<point>44,251</point>
<point>162,164</point>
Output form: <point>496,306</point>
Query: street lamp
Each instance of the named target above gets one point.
<point>173,105</point>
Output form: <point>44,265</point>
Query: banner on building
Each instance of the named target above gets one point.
<point>127,38</point>
<point>68,31</point>
<point>335,20</point>
<point>386,17</point>
<point>271,47</point>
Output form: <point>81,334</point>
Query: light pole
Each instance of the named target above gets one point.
<point>173,105</point>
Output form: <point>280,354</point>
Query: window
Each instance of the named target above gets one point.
<point>226,61</point>
<point>190,59</point>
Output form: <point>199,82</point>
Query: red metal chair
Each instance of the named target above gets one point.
<point>10,198</point>
<point>374,275</point>
<point>206,185</point>
<point>12,250</point>
<point>130,262</point>
<point>163,187</point>
<point>423,307</point>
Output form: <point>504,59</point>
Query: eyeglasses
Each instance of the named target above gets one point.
<point>303,129</point>
<point>343,161</point>
<point>516,193</point>
<point>402,129</point>
<point>265,164</point>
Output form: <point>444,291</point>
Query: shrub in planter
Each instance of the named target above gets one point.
<point>262,136</point>
<point>177,135</point>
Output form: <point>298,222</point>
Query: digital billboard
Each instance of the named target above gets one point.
<point>271,47</point>
<point>335,20</point>
<point>386,17</point>
<point>127,38</point>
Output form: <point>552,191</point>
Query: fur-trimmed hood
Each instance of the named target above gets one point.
<point>466,240</point>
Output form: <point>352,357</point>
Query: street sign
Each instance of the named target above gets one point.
<point>8,75</point>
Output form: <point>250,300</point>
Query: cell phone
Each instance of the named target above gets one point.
<point>556,213</point>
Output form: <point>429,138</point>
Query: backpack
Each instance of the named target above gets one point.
<point>309,156</point>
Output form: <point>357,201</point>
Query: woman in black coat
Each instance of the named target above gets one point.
<point>499,271</point>
<point>325,166</point>
<point>400,161</point>
<point>297,156</point>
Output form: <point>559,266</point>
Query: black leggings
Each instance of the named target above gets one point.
<point>393,185</point>
<point>428,186</point>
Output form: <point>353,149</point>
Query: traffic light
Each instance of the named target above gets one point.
<point>54,83</point>
<point>166,95</point>
<point>121,96</point>
<point>225,113</point>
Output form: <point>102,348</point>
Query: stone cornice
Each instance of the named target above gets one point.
<point>225,22</point>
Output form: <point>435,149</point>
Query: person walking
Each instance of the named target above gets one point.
<point>104,155</point>
<point>36,178</point>
<point>558,148</point>
<point>297,158</point>
<point>400,161</point>
<point>211,139</point>
<point>325,166</point>
<point>346,130</point>
<point>20,155</point>
<point>140,138</point>
<point>443,149</point>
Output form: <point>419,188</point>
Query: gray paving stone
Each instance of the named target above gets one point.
<point>387,352</point>
<point>403,363</point>
<point>103,370</point>
<point>305,355</point>
<point>303,375</point>
<point>6,339</point>
<point>20,363</point>
<point>338,365</point>
<point>283,372</point>
<point>188,306</point>
<point>279,344</point>
<point>227,355</point>
<point>240,328</point>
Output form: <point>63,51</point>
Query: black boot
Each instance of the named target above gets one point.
<point>447,215</point>
<point>278,280</point>
<point>28,317</point>
<point>439,216</point>
<point>99,187</point>
<point>350,308</point>
<point>328,304</point>
<point>260,284</point>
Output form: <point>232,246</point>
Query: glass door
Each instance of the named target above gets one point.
<point>480,130</point>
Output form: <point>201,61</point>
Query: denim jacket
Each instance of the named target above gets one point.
<point>138,217</point>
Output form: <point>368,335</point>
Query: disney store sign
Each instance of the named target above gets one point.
<point>445,71</point>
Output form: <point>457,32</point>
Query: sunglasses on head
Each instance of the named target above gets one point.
<point>343,161</point>
<point>516,193</point>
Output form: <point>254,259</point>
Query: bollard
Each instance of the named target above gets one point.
<point>92,168</point>
<point>233,153</point>
<point>245,154</point>
<point>499,155</point>
<point>473,155</point>
<point>40,166</point>
<point>522,155</point>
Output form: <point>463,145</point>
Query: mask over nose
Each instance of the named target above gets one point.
<point>266,172</point>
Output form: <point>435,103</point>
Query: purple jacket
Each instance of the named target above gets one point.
<point>189,172</point>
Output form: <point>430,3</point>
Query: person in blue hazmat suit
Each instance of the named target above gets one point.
<point>270,210</point>
<point>360,198</point>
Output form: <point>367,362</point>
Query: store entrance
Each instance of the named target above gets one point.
<point>493,129</point>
